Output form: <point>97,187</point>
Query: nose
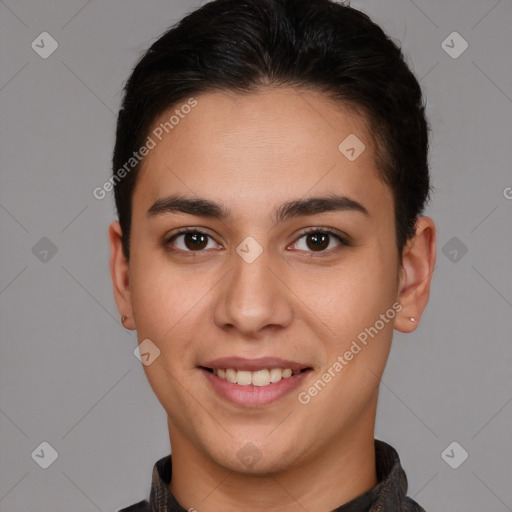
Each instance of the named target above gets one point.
<point>252,298</point>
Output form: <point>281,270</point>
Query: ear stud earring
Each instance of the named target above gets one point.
<point>412,319</point>
<point>123,319</point>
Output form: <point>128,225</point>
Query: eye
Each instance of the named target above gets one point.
<point>320,240</point>
<point>313,240</point>
<point>190,240</point>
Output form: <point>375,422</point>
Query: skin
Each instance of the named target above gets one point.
<point>252,153</point>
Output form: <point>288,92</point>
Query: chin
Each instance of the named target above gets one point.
<point>258,459</point>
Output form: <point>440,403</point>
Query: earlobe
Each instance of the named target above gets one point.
<point>418,263</point>
<point>119,273</point>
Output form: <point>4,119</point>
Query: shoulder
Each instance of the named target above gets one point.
<point>141,506</point>
<point>409,505</point>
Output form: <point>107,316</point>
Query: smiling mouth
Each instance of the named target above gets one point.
<point>263,377</point>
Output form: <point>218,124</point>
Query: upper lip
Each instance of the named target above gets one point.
<point>241,363</point>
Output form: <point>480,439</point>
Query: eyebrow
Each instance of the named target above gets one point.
<point>299,207</point>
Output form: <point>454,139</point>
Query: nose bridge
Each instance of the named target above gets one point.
<point>252,297</point>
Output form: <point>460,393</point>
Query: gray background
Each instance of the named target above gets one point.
<point>68,375</point>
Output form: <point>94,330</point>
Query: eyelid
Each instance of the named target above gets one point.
<point>324,229</point>
<point>168,238</point>
<point>341,237</point>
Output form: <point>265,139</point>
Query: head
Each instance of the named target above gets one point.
<point>289,137</point>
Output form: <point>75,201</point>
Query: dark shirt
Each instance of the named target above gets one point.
<point>389,495</point>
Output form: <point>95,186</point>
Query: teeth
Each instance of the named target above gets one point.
<point>260,378</point>
<point>243,378</point>
<point>257,378</point>
<point>230,375</point>
<point>276,375</point>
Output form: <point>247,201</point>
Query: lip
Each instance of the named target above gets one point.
<point>261,363</point>
<point>254,396</point>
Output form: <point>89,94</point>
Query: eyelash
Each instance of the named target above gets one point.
<point>343,241</point>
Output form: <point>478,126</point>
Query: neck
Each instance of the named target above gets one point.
<point>325,480</point>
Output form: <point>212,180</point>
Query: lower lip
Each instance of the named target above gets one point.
<point>254,396</point>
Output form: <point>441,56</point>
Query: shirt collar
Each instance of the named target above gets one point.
<point>388,495</point>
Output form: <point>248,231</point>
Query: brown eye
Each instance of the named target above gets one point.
<point>190,241</point>
<point>195,241</point>
<point>320,240</point>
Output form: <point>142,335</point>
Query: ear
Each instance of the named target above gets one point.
<point>418,262</point>
<point>120,274</point>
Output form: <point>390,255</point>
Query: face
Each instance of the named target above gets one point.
<point>265,282</point>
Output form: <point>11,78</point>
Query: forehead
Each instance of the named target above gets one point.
<point>256,148</point>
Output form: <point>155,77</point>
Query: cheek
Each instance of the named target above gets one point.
<point>164,296</point>
<point>167,305</point>
<point>345,299</point>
